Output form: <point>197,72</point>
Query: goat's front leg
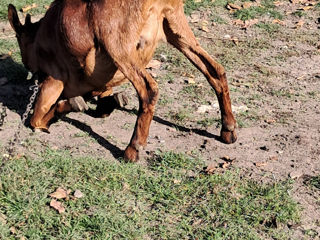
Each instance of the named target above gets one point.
<point>46,105</point>
<point>179,34</point>
<point>147,90</point>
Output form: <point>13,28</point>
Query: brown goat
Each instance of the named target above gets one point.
<point>81,46</point>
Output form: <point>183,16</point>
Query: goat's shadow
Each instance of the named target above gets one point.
<point>14,88</point>
<point>114,150</point>
<point>162,121</point>
<point>15,96</point>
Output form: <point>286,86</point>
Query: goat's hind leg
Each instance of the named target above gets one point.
<point>147,90</point>
<point>46,106</point>
<point>179,34</point>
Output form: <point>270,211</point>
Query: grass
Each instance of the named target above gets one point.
<point>247,118</point>
<point>314,182</point>
<point>269,27</point>
<point>266,8</point>
<point>181,116</point>
<point>207,122</point>
<point>191,5</point>
<point>168,199</point>
<point>22,3</point>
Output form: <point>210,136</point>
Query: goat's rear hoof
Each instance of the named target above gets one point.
<point>228,137</point>
<point>39,130</point>
<point>131,154</point>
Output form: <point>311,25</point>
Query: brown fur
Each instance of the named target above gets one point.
<point>92,46</point>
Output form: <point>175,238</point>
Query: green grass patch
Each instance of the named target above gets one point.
<point>191,5</point>
<point>266,8</point>
<point>299,13</point>
<point>40,9</point>
<point>168,199</point>
<point>247,118</point>
<point>269,28</point>
<point>181,116</point>
<point>207,122</point>
<point>174,60</point>
<point>314,181</point>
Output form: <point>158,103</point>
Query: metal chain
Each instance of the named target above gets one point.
<point>16,137</point>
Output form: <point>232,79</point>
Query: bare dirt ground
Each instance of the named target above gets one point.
<point>274,79</point>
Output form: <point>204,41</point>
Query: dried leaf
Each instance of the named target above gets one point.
<point>177,181</point>
<point>154,64</point>
<point>251,22</point>
<point>306,8</point>
<point>225,158</point>
<point>205,29</point>
<point>278,3</point>
<point>238,22</point>
<point>57,206</point>
<point>211,168</point>
<point>78,194</point>
<point>197,222</point>
<point>3,219</point>
<point>245,24</point>
<point>29,7</point>
<point>274,158</point>
<point>235,40</point>
<point>270,121</point>
<point>226,165</point>
<point>231,6</point>
<point>299,24</point>
<point>278,21</point>
<point>260,164</point>
<point>190,80</point>
<point>311,3</point>
<point>13,230</point>
<point>228,159</point>
<point>60,193</point>
<point>246,5</point>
